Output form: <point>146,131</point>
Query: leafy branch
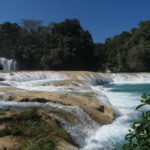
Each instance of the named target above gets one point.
<point>138,137</point>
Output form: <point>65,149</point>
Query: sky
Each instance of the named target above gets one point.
<point>103,18</point>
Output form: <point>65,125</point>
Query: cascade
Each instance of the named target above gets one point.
<point>37,75</point>
<point>91,78</point>
<point>7,64</point>
<point>130,77</point>
<point>105,86</point>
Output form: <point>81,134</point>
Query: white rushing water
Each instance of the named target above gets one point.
<point>8,64</point>
<point>130,78</point>
<point>124,101</point>
<point>124,95</point>
<point>110,136</point>
<point>79,131</point>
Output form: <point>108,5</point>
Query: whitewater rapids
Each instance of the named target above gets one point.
<point>100,137</point>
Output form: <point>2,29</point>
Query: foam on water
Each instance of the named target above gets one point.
<point>96,78</point>
<point>37,75</point>
<point>80,131</point>
<point>119,78</point>
<point>91,78</point>
<point>10,105</point>
<point>130,77</point>
<point>31,80</point>
<point>109,137</point>
<point>8,64</point>
<point>96,137</point>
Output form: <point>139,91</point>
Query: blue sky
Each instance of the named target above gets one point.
<point>103,18</point>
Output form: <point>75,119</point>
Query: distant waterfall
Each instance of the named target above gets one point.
<point>7,64</point>
<point>122,78</point>
<point>90,78</point>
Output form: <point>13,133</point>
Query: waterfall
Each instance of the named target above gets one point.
<point>89,78</point>
<point>108,88</point>
<point>80,131</point>
<point>124,93</point>
<point>130,77</point>
<point>25,76</point>
<point>107,78</point>
<point>7,64</point>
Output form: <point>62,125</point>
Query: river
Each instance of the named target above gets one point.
<point>124,98</point>
<point>121,91</point>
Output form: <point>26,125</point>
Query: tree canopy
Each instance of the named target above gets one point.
<point>130,51</point>
<point>67,46</point>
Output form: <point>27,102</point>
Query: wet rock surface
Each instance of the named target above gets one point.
<point>100,113</point>
<point>64,100</point>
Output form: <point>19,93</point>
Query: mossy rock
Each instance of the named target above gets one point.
<point>59,113</point>
<point>34,127</point>
<point>87,99</point>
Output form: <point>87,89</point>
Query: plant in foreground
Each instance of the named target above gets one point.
<point>138,137</point>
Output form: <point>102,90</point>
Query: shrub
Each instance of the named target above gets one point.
<point>138,137</point>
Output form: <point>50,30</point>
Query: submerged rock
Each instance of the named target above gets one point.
<point>61,83</point>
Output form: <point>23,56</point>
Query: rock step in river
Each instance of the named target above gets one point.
<point>75,103</point>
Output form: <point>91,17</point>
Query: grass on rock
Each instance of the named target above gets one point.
<point>35,132</point>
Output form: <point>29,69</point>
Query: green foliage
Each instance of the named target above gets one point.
<point>39,143</point>
<point>35,132</point>
<point>67,46</point>
<point>72,47</point>
<point>138,137</point>
<point>58,46</point>
<point>101,56</point>
<point>129,51</point>
<point>31,25</point>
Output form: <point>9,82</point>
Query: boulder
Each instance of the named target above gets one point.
<point>87,101</point>
<point>10,142</point>
<point>49,116</point>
